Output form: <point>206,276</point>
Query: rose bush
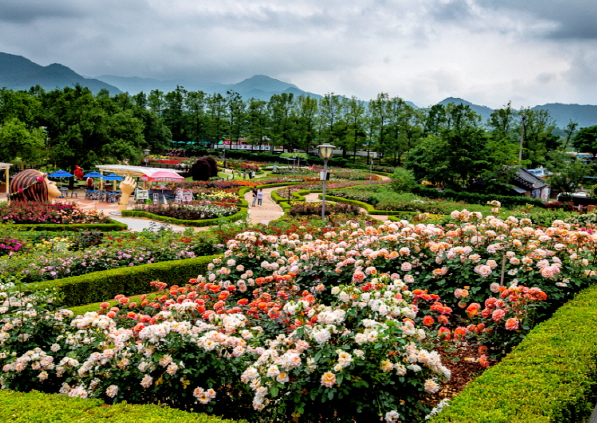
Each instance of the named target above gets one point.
<point>33,212</point>
<point>307,326</point>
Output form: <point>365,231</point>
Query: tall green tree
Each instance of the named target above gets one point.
<point>20,143</point>
<point>257,122</point>
<point>306,110</point>
<point>279,108</point>
<point>217,123</point>
<point>236,115</point>
<point>585,140</point>
<point>330,114</point>
<point>380,116</point>
<point>196,121</point>
<point>567,173</point>
<point>536,127</point>
<point>20,105</point>
<point>174,112</point>
<point>355,136</point>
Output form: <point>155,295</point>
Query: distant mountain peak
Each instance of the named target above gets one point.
<point>264,83</point>
<point>20,73</point>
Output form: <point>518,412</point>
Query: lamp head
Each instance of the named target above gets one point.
<point>146,151</point>
<point>326,150</point>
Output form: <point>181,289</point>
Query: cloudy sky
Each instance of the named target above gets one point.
<point>488,52</point>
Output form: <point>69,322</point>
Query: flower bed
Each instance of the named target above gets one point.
<point>385,199</point>
<point>29,212</point>
<point>57,258</point>
<point>195,210</point>
<point>314,328</point>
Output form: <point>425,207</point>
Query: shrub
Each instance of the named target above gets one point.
<point>314,209</point>
<point>30,212</point>
<point>474,198</point>
<point>98,286</point>
<point>403,180</point>
<point>550,377</point>
<point>35,406</point>
<point>213,165</point>
<point>242,212</point>
<point>201,170</point>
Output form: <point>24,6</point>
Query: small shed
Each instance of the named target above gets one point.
<point>527,184</point>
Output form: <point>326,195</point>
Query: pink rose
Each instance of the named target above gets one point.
<point>498,315</point>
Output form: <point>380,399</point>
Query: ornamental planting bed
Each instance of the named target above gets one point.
<point>28,212</point>
<point>345,324</point>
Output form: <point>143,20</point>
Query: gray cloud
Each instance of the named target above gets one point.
<point>423,50</point>
<point>570,19</point>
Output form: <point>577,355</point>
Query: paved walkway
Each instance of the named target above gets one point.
<point>268,211</point>
<point>136,224</point>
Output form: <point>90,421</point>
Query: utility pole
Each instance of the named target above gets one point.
<point>521,137</point>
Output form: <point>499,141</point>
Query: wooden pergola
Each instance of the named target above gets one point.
<point>6,167</point>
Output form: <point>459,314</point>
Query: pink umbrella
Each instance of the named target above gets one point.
<point>163,176</point>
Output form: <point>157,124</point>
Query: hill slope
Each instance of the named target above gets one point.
<point>19,73</point>
<point>585,115</point>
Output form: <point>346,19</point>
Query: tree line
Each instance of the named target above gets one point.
<point>446,144</point>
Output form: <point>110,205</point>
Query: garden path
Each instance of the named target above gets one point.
<point>268,211</point>
<point>135,224</point>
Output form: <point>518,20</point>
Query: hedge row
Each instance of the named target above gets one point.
<point>103,227</point>
<point>507,201</point>
<point>296,197</point>
<point>197,223</point>
<point>551,376</point>
<point>403,215</point>
<point>19,407</point>
<point>370,209</point>
<point>99,286</point>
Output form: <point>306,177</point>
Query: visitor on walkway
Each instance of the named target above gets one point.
<point>260,197</point>
<point>254,197</point>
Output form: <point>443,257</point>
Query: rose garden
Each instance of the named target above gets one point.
<point>440,311</point>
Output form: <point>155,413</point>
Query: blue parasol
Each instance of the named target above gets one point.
<point>93,175</point>
<point>60,174</point>
<point>113,177</point>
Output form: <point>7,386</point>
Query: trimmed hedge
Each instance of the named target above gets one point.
<point>507,201</point>
<point>296,197</point>
<point>370,209</point>
<point>19,407</point>
<point>405,215</point>
<point>103,227</point>
<point>98,286</point>
<point>242,212</point>
<point>551,376</point>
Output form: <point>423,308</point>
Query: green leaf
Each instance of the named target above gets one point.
<point>273,390</point>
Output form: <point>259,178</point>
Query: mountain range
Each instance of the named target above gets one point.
<point>19,73</point>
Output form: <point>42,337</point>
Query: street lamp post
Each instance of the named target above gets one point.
<point>146,159</point>
<point>326,151</point>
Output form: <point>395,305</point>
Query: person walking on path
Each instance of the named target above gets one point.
<point>260,197</point>
<point>254,197</point>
